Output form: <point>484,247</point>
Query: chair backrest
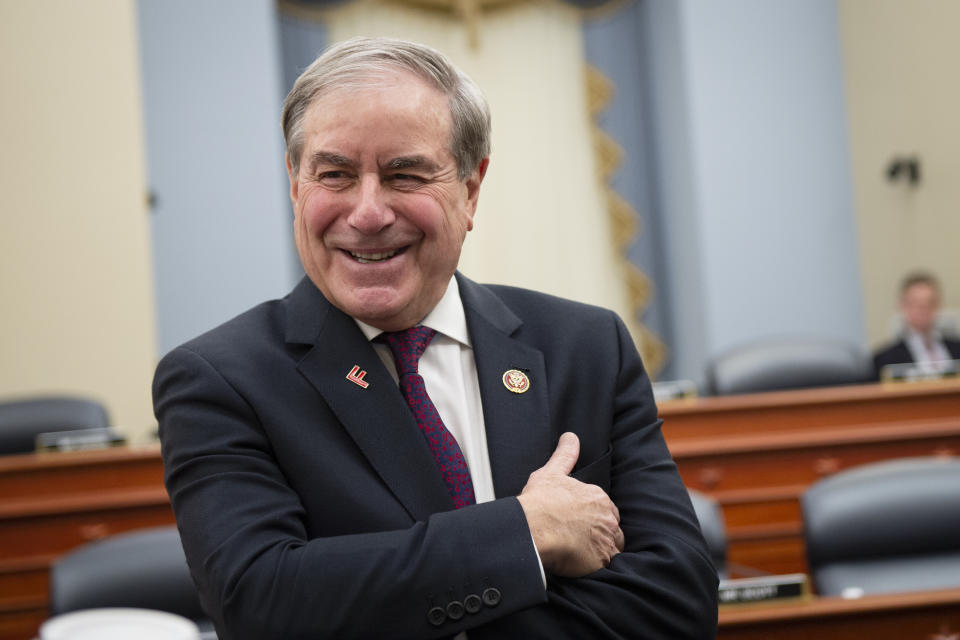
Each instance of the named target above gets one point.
<point>144,569</point>
<point>885,527</point>
<point>786,363</point>
<point>23,418</point>
<point>714,528</point>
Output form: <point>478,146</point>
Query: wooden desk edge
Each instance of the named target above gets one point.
<point>818,395</point>
<point>834,607</point>
<point>32,461</point>
<point>871,432</point>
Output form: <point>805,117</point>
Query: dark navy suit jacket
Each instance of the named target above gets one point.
<point>310,507</point>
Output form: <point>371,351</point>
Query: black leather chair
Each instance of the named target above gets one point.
<point>786,363</point>
<point>885,527</point>
<point>23,418</point>
<point>714,529</point>
<point>144,569</point>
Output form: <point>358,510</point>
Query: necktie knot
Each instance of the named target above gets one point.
<point>407,347</point>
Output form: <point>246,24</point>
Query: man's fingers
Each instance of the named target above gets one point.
<point>618,539</point>
<point>565,455</point>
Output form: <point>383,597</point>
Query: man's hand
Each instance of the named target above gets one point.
<point>575,526</point>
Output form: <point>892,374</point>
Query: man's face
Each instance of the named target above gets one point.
<point>380,213</point>
<point>920,303</point>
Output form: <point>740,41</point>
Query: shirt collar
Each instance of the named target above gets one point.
<point>447,317</point>
<point>912,335</point>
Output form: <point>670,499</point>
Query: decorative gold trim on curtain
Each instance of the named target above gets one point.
<point>469,11</point>
<point>623,222</point>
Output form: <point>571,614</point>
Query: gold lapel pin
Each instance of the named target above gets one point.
<point>356,377</point>
<point>516,381</point>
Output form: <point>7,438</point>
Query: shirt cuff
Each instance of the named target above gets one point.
<point>543,575</point>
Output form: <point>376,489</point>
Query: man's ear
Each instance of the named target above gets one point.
<point>473,182</point>
<point>294,183</point>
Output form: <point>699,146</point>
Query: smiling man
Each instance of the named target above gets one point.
<point>381,207</point>
<point>394,451</point>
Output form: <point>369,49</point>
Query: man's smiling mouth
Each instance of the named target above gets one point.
<point>367,257</point>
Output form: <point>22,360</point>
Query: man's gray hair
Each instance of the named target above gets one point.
<point>354,62</point>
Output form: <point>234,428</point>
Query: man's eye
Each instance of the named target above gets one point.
<point>406,179</point>
<point>334,179</point>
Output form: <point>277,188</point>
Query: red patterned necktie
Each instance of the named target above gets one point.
<point>407,347</point>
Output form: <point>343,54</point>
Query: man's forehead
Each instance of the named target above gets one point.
<point>395,119</point>
<point>921,289</point>
<point>375,81</point>
<point>390,88</point>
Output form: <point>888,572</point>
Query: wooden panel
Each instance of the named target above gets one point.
<point>757,454</point>
<point>800,467</point>
<point>51,503</point>
<point>59,533</point>
<point>743,513</point>
<point>767,551</point>
<point>803,409</point>
<point>764,488</point>
<point>931,615</point>
<point>22,623</point>
<point>81,472</point>
<point>24,576</point>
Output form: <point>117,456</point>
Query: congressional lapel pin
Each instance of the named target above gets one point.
<point>356,377</point>
<point>516,381</point>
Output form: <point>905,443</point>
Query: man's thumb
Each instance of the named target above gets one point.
<point>565,455</point>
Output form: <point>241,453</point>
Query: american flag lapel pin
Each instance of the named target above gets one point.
<point>356,377</point>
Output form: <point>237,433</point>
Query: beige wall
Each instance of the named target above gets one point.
<point>903,97</point>
<point>76,289</point>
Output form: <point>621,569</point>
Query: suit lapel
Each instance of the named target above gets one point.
<point>519,437</point>
<point>375,416</point>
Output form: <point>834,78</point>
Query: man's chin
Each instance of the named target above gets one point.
<point>383,309</point>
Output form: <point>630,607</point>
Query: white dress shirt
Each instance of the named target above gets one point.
<point>928,351</point>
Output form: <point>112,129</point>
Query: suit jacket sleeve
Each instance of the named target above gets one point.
<point>664,584</point>
<point>894,353</point>
<point>258,573</point>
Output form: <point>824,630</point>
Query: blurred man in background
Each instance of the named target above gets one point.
<point>921,341</point>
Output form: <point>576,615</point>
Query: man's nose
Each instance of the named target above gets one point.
<point>371,213</point>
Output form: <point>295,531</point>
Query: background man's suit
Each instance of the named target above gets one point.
<point>267,446</point>
<point>899,353</point>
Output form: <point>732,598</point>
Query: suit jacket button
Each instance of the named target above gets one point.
<point>472,603</point>
<point>455,610</point>
<point>437,616</point>
<point>491,597</point>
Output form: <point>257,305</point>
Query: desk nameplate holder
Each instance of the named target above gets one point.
<point>778,588</point>
<point>79,439</point>
<point>920,371</point>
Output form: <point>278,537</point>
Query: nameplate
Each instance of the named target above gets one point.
<point>742,590</point>
<point>667,390</point>
<point>921,371</point>
<point>79,439</point>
